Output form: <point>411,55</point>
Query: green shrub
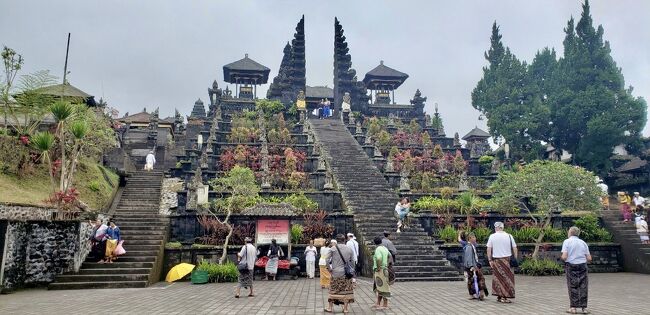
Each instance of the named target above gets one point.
<point>94,186</point>
<point>590,230</point>
<point>436,205</point>
<point>296,233</point>
<point>531,233</point>
<point>552,235</point>
<point>482,234</point>
<point>470,203</point>
<point>448,234</point>
<point>219,273</point>
<point>540,267</point>
<point>301,202</point>
<point>485,160</point>
<point>173,245</point>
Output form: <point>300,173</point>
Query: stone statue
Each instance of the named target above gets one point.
<point>317,150</point>
<point>427,121</point>
<point>377,152</point>
<point>329,185</point>
<point>359,131</point>
<point>265,162</point>
<point>463,184</point>
<point>321,165</point>
<point>346,104</point>
<point>390,167</point>
<point>195,183</point>
<point>265,181</point>
<point>310,138</point>
<point>300,102</point>
<point>404,180</point>
<point>265,148</point>
<point>368,140</point>
<point>351,120</point>
<point>456,140</point>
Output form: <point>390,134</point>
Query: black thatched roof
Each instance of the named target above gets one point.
<point>246,67</point>
<point>383,74</point>
<point>319,92</point>
<point>632,165</point>
<point>476,133</point>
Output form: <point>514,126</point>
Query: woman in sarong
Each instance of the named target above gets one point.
<point>500,247</point>
<point>113,238</point>
<point>274,254</point>
<point>325,275</point>
<point>341,287</point>
<point>575,254</point>
<point>624,204</point>
<point>472,267</point>
<point>381,285</point>
<point>98,242</point>
<point>247,254</point>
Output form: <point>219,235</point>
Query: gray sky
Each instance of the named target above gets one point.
<point>166,53</point>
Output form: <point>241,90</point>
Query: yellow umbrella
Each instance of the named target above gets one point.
<point>179,271</point>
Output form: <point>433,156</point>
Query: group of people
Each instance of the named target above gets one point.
<point>502,256</point>
<point>106,242</point>
<point>324,109</point>
<point>635,209</point>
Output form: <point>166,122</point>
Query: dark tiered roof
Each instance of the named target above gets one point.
<point>198,111</point>
<point>67,90</point>
<point>632,165</point>
<point>319,92</point>
<point>476,133</point>
<point>246,70</point>
<point>383,77</point>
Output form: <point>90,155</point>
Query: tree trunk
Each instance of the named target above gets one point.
<point>538,243</point>
<point>73,167</point>
<point>63,172</point>
<point>224,253</point>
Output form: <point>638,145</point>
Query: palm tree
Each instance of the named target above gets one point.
<point>43,142</point>
<point>62,112</point>
<point>79,130</point>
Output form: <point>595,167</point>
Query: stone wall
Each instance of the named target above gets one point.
<point>168,195</point>
<point>37,251</point>
<point>606,256</point>
<point>15,212</point>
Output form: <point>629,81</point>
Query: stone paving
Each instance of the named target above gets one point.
<point>614,293</point>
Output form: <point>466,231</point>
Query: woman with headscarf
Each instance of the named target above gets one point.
<point>500,247</point>
<point>624,206</point>
<point>341,287</point>
<point>98,241</point>
<point>274,254</point>
<point>325,275</point>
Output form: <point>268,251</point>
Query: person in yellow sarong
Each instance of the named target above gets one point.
<point>325,275</point>
<point>380,276</point>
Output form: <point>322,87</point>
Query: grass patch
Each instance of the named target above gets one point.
<point>95,189</point>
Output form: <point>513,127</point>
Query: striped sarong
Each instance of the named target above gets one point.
<point>503,281</point>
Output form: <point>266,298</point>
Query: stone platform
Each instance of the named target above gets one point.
<point>611,293</point>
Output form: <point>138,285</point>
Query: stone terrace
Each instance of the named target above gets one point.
<point>612,293</point>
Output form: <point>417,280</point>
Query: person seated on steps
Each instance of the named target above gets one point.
<point>402,209</point>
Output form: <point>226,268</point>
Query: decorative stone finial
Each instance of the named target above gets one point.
<point>359,131</point>
<point>404,180</point>
<point>377,152</point>
<point>321,164</point>
<point>329,185</point>
<point>456,140</point>
<point>390,167</point>
<point>368,140</point>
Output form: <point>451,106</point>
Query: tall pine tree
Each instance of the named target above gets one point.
<point>591,111</point>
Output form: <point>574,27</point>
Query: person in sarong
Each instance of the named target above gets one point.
<point>341,288</point>
<point>325,275</point>
<point>274,254</point>
<point>624,204</point>
<point>247,253</point>
<point>500,247</point>
<point>98,242</point>
<point>113,238</point>
<point>381,285</point>
<point>386,242</point>
<point>150,161</point>
<point>642,229</point>
<point>575,254</point>
<point>472,267</point>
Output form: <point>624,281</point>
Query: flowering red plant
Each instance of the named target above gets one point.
<point>65,200</point>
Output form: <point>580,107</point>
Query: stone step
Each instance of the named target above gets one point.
<point>96,285</point>
<point>158,233</point>
<point>119,264</point>
<point>127,258</point>
<point>112,271</point>
<point>131,242</point>
<point>139,227</point>
<point>141,236</point>
<point>103,277</point>
<point>428,279</point>
<point>139,247</point>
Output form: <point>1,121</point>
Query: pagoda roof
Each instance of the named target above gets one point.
<point>476,133</point>
<point>383,76</point>
<point>319,92</point>
<point>247,71</point>
<point>635,164</point>
<point>268,209</point>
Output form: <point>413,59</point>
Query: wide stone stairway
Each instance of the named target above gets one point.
<point>636,255</point>
<point>143,231</point>
<point>368,196</point>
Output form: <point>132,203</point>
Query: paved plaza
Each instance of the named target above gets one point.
<point>615,293</point>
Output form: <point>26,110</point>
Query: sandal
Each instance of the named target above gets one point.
<point>505,301</point>
<point>327,311</point>
<point>251,295</point>
<point>584,311</point>
<point>236,296</point>
<point>572,311</point>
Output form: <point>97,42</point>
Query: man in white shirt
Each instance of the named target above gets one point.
<point>638,200</point>
<point>151,161</point>
<point>604,199</point>
<point>354,246</point>
<point>575,254</point>
<point>500,247</point>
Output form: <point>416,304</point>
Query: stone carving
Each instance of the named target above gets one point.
<point>368,140</point>
<point>351,120</point>
<point>456,140</point>
<point>463,184</point>
<point>359,131</point>
<point>310,138</point>
<point>390,168</point>
<point>265,181</point>
<point>195,184</point>
<point>377,152</point>
<point>346,104</point>
<point>265,162</point>
<point>317,150</point>
<point>404,180</point>
<point>321,164</point>
<point>427,121</point>
<point>418,102</point>
<point>265,149</point>
<point>329,185</point>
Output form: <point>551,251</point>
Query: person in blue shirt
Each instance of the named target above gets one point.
<point>113,235</point>
<point>575,254</point>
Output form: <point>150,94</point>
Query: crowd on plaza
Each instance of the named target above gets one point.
<point>339,265</point>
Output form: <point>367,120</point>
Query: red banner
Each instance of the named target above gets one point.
<point>272,229</point>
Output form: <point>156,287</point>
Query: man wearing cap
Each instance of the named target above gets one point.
<point>354,246</point>
<point>500,247</point>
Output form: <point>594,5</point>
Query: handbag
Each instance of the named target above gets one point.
<point>243,263</point>
<point>349,270</point>
<point>119,250</point>
<point>513,260</point>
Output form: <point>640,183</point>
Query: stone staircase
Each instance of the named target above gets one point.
<point>367,194</point>
<point>144,233</point>
<point>636,256</point>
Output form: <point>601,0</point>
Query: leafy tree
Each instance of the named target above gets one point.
<point>13,62</point>
<point>547,187</point>
<point>592,111</point>
<point>240,183</point>
<point>269,107</point>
